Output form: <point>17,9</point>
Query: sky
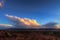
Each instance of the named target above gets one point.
<point>43,11</point>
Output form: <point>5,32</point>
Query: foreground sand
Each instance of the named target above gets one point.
<point>29,35</point>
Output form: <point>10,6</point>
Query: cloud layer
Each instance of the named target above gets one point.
<point>25,22</point>
<point>18,22</point>
<point>30,23</point>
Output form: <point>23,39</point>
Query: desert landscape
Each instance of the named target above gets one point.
<point>29,35</point>
<point>29,19</point>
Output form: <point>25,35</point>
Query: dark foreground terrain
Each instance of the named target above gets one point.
<point>29,35</point>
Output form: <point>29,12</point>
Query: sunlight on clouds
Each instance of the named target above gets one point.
<point>34,22</point>
<point>23,20</point>
<point>29,22</point>
<point>26,21</point>
<point>1,4</point>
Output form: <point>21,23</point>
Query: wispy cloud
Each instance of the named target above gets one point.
<point>6,25</point>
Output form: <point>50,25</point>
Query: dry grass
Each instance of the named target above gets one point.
<point>29,35</point>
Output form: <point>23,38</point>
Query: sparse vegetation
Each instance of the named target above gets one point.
<point>29,35</point>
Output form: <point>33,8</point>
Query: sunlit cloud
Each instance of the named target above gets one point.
<point>1,4</point>
<point>30,23</point>
<point>24,21</point>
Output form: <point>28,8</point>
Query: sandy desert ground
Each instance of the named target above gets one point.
<point>29,35</point>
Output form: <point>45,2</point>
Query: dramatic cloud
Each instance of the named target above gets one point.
<point>30,23</point>
<point>24,22</point>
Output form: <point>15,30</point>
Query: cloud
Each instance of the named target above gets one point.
<point>58,26</point>
<point>5,26</point>
<point>1,3</point>
<point>30,23</point>
<point>26,23</point>
<point>23,22</point>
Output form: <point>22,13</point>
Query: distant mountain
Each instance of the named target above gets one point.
<point>49,25</point>
<point>32,29</point>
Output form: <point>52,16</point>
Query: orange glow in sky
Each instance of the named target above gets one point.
<point>0,4</point>
<point>28,22</point>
